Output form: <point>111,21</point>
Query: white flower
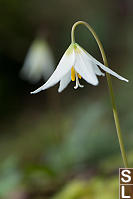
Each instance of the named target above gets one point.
<point>39,62</point>
<point>76,63</point>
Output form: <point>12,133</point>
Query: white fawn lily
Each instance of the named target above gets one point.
<point>75,64</point>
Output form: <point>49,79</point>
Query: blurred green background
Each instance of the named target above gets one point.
<point>63,146</point>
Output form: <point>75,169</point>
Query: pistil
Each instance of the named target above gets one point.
<point>77,81</point>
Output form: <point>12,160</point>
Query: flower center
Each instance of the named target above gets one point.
<point>77,76</point>
<point>73,74</point>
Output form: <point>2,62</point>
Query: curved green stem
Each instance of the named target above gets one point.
<point>116,118</point>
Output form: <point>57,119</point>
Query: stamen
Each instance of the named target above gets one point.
<point>72,74</point>
<point>79,76</point>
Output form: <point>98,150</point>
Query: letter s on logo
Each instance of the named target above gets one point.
<point>128,177</point>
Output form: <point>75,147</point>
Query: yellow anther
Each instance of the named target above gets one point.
<point>79,76</point>
<point>72,74</point>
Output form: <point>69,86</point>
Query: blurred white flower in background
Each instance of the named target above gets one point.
<point>39,62</point>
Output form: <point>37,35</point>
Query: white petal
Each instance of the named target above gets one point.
<point>97,70</point>
<point>64,66</point>
<point>85,69</point>
<point>108,70</point>
<point>64,82</point>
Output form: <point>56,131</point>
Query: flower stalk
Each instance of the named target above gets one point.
<point>114,108</point>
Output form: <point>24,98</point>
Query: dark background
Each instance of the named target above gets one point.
<point>63,146</point>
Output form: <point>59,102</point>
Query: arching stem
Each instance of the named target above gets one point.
<point>114,108</point>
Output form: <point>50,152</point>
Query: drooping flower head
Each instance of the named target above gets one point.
<point>75,64</point>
